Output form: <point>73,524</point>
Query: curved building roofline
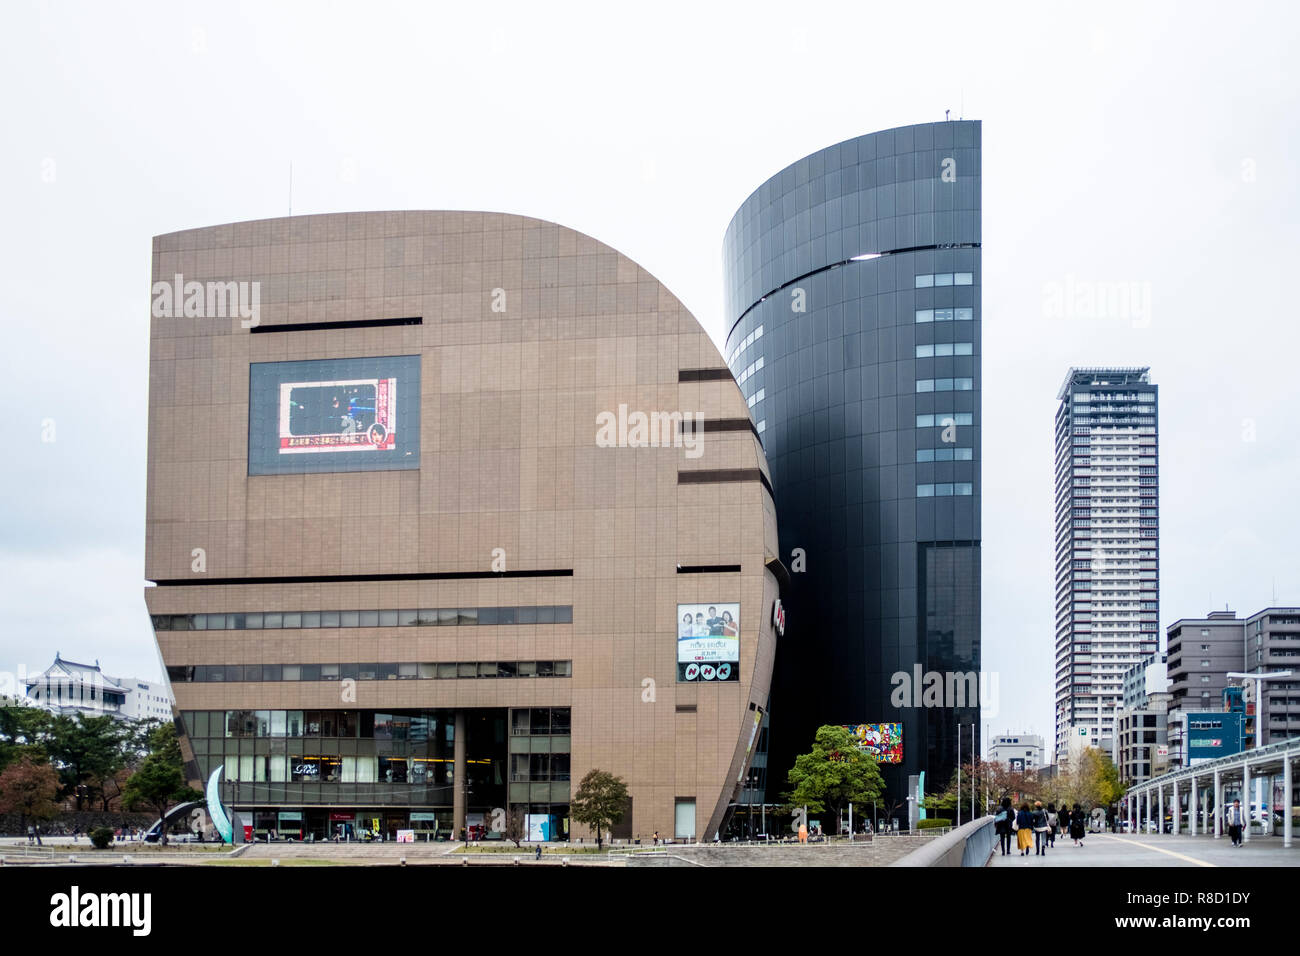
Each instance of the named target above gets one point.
<point>160,241</point>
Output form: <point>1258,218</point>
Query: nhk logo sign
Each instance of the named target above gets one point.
<point>778,617</point>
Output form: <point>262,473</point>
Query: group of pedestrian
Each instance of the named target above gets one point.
<point>1036,828</point>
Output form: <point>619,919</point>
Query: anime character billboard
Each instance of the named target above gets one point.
<point>883,740</point>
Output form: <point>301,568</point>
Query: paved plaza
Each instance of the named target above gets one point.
<point>1152,850</point>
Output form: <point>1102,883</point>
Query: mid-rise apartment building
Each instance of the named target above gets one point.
<point>1272,645</point>
<point>1201,653</point>
<point>1017,751</point>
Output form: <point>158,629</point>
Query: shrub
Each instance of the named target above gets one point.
<point>931,823</point>
<point>101,837</point>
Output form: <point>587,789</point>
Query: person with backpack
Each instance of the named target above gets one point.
<point>1002,825</point>
<point>1040,829</point>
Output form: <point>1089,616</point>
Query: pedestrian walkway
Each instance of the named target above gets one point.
<point>1152,850</point>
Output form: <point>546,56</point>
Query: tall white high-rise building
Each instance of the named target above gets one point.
<point>1107,546</point>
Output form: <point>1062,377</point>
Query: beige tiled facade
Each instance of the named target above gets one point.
<point>508,460</point>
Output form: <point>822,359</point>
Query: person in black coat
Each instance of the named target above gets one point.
<point>1002,825</point>
<point>1077,825</point>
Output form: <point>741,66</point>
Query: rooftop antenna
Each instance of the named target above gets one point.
<point>945,115</point>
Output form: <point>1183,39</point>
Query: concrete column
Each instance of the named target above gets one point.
<point>1218,805</point>
<point>1286,800</point>
<point>458,777</point>
<point>1160,817</point>
<point>1176,808</point>
<point>1245,801</point>
<point>1192,808</point>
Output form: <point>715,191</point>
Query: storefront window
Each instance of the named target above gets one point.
<point>290,824</point>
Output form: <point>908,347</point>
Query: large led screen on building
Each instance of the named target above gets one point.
<point>356,414</point>
<point>885,741</point>
<point>708,642</point>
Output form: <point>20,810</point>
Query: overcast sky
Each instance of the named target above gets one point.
<point>1146,146</point>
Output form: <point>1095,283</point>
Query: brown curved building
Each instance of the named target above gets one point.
<point>419,562</point>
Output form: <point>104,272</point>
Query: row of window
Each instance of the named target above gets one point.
<point>259,673</point>
<point>944,315</point>
<point>940,349</point>
<point>945,384</point>
<point>944,278</point>
<point>745,343</point>
<point>757,397</point>
<point>945,454</point>
<point>1114,397</point>
<point>425,617</point>
<point>339,768</point>
<point>943,420</point>
<point>418,727</point>
<point>754,366</point>
<point>945,490</point>
<point>414,725</point>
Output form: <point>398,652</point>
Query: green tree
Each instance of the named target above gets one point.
<point>23,731</point>
<point>970,776</point>
<point>600,802</point>
<point>85,751</point>
<point>1099,778</point>
<point>28,788</point>
<point>835,773</point>
<point>159,783</point>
